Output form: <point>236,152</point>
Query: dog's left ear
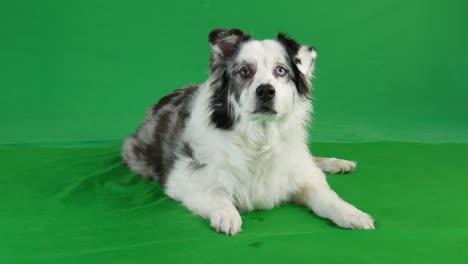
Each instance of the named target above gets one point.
<point>302,56</point>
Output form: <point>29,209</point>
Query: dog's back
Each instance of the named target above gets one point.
<point>152,149</point>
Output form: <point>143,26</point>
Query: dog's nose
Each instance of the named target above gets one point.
<point>265,92</point>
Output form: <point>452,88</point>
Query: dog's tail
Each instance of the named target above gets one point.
<point>134,157</point>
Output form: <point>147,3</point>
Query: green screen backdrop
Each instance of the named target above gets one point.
<point>76,77</point>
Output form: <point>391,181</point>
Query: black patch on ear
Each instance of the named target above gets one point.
<point>290,44</point>
<point>217,34</point>
<point>292,47</point>
<point>221,115</point>
<point>228,47</point>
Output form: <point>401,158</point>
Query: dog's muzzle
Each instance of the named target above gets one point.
<point>265,94</point>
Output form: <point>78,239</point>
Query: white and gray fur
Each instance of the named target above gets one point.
<point>238,142</point>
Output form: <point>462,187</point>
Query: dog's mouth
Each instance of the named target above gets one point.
<point>265,110</point>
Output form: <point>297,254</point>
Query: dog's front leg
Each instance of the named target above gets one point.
<point>334,165</point>
<point>316,194</point>
<point>211,204</point>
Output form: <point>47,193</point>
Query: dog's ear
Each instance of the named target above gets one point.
<point>224,42</point>
<point>302,56</point>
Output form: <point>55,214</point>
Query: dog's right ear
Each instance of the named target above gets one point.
<point>224,42</point>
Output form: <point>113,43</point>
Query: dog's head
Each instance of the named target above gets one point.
<point>257,80</point>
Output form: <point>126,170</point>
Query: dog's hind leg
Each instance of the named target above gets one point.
<point>334,165</point>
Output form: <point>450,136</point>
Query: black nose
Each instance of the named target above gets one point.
<point>265,92</point>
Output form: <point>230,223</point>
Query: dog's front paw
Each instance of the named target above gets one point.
<point>334,165</point>
<point>356,220</point>
<point>227,221</point>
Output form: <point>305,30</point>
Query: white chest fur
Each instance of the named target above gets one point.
<point>257,174</point>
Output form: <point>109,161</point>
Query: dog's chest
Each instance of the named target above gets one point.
<point>261,178</point>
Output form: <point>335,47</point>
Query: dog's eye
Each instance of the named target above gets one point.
<point>245,72</point>
<point>280,70</point>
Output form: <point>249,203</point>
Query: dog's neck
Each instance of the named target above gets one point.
<point>268,133</point>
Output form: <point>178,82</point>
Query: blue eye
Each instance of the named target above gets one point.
<point>280,70</point>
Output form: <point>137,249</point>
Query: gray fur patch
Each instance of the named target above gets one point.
<point>187,150</point>
<point>151,151</point>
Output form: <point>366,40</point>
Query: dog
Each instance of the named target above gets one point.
<point>238,142</point>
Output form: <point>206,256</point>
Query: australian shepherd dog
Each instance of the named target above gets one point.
<point>239,141</point>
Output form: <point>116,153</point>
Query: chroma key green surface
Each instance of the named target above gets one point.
<point>77,77</point>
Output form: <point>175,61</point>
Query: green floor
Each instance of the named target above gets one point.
<point>81,205</point>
